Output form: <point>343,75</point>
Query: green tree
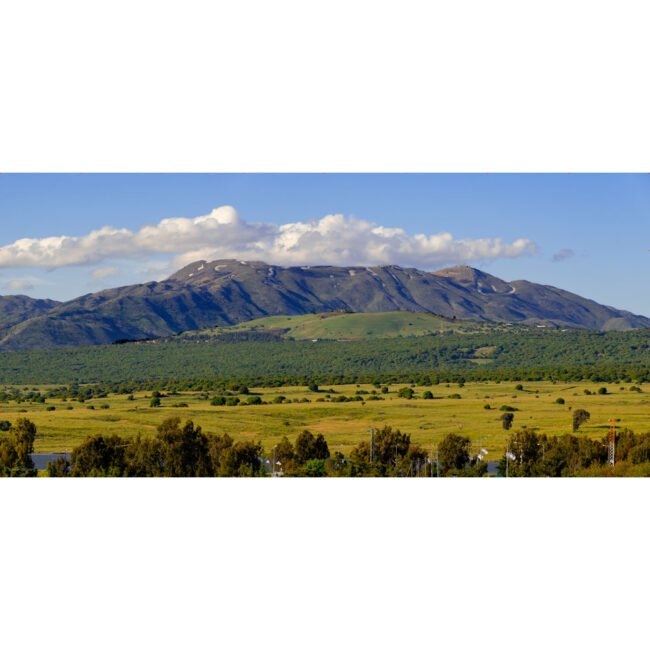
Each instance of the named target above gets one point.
<point>314,467</point>
<point>99,456</point>
<point>453,453</point>
<point>218,447</point>
<point>310,447</point>
<point>406,392</point>
<point>184,450</point>
<point>16,449</point>
<point>284,451</point>
<point>506,420</point>
<point>242,459</point>
<point>60,467</point>
<point>580,416</point>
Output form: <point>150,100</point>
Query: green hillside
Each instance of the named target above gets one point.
<point>348,326</point>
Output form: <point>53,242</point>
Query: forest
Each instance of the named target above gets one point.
<point>535,354</point>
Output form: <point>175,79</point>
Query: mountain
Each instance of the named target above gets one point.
<point>16,309</point>
<point>225,292</point>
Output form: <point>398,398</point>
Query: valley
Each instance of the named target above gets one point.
<point>460,410</point>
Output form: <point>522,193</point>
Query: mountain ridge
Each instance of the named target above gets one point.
<point>206,294</point>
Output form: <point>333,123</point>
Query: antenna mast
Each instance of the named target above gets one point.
<point>611,449</point>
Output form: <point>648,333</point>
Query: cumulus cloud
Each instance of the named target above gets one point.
<point>333,239</point>
<point>564,254</point>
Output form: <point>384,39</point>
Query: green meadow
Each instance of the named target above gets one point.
<point>345,424</point>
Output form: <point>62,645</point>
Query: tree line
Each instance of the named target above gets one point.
<point>184,450</point>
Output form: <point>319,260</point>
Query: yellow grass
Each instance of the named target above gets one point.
<point>346,424</point>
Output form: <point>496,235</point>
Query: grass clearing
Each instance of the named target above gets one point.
<point>346,424</point>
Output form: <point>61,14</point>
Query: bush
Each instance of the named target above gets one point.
<point>314,468</point>
<point>427,394</point>
<point>560,400</point>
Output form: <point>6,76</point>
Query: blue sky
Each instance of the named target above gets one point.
<point>585,233</point>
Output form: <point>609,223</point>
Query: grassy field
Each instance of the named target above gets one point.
<point>345,326</point>
<point>346,424</point>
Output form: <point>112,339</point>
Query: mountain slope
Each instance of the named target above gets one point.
<point>16,309</point>
<point>340,326</point>
<point>204,295</point>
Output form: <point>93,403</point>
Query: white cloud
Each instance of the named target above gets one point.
<point>19,284</point>
<point>105,272</point>
<point>333,239</point>
<point>564,254</point>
